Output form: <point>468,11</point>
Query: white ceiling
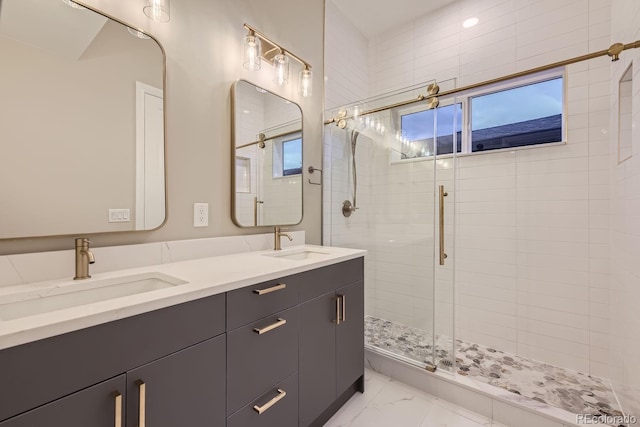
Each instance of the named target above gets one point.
<point>50,25</point>
<point>374,17</point>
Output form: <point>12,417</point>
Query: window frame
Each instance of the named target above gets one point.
<point>464,98</point>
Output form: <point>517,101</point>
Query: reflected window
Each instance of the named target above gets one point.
<point>292,157</point>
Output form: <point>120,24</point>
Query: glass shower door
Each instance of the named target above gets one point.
<point>385,168</point>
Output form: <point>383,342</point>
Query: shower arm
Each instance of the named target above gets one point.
<point>613,52</point>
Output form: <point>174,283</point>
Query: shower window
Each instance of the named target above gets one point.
<point>429,130</point>
<point>525,115</point>
<point>520,112</point>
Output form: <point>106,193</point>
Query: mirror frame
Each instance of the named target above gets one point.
<point>164,145</point>
<point>234,103</point>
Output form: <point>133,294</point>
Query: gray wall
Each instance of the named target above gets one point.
<point>204,56</point>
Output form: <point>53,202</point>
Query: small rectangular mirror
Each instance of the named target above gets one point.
<point>266,176</point>
<point>81,122</point>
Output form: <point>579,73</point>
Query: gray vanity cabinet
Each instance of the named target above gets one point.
<point>178,351</point>
<point>186,388</point>
<point>331,352</point>
<point>350,336</point>
<point>94,406</point>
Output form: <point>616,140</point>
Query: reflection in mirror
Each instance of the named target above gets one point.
<point>267,158</point>
<point>81,123</point>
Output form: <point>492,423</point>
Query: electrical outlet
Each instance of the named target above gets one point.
<point>119,215</point>
<point>201,214</point>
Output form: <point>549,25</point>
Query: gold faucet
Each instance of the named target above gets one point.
<point>84,257</point>
<point>277,245</point>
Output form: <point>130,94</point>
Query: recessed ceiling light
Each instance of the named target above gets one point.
<point>468,23</point>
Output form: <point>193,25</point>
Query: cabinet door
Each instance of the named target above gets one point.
<point>186,388</point>
<point>317,366</point>
<point>350,336</point>
<point>96,406</point>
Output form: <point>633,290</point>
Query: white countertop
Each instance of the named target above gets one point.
<point>204,277</point>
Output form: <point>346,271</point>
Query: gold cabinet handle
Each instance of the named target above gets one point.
<point>271,289</point>
<point>271,327</point>
<point>269,404</point>
<point>118,415</point>
<point>443,194</point>
<point>142,414</point>
<point>344,308</point>
<point>338,309</point>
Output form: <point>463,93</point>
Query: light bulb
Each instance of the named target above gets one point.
<point>251,52</point>
<point>157,10</point>
<point>306,82</point>
<point>281,69</point>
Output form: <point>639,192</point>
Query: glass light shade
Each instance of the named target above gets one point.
<point>157,10</point>
<point>251,53</point>
<point>306,82</point>
<point>280,69</point>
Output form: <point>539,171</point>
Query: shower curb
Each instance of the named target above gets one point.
<point>494,406</point>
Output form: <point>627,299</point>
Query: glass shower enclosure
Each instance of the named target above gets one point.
<point>389,189</point>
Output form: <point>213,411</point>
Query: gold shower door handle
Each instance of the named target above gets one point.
<point>269,404</point>
<point>118,403</point>
<point>443,194</point>
<point>142,414</point>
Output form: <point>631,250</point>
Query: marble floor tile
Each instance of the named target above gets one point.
<point>388,403</point>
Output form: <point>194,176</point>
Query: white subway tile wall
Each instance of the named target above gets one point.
<point>624,296</point>
<point>531,226</point>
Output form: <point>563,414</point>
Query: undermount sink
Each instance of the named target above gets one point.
<point>299,254</point>
<point>81,293</point>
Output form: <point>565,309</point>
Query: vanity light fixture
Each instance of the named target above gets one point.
<point>157,10</point>
<point>258,47</point>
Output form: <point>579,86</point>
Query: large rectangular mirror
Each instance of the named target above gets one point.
<point>266,158</point>
<point>81,122</point>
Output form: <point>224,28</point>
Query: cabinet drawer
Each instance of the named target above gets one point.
<point>257,301</point>
<point>95,406</point>
<point>42,371</point>
<point>330,278</point>
<point>282,413</point>
<point>255,362</point>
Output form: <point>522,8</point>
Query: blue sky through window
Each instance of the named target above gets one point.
<point>292,155</point>
<point>516,105</point>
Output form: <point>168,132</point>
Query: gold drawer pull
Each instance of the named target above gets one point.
<point>344,308</point>
<point>269,404</point>
<point>118,416</point>
<point>337,309</point>
<point>142,415</point>
<point>271,289</point>
<point>271,327</point>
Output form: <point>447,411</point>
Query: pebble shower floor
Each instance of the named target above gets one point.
<point>559,387</point>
